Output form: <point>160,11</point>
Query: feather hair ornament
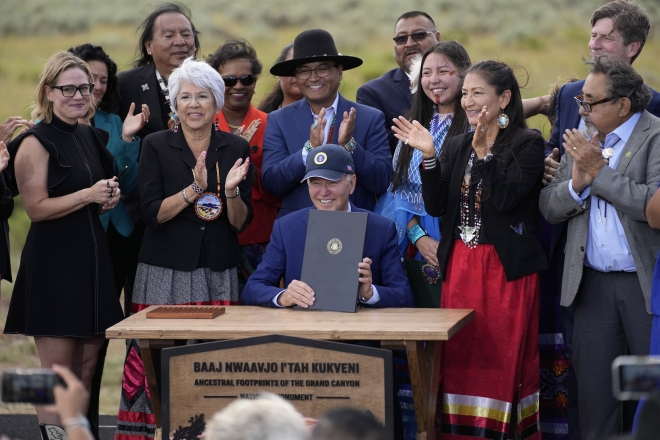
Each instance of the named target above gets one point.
<point>415,73</point>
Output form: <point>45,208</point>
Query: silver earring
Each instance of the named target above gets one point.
<point>503,120</point>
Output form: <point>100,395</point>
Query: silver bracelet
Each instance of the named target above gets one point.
<point>238,193</point>
<point>73,423</point>
<point>183,193</point>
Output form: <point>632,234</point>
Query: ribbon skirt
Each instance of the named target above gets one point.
<point>491,367</point>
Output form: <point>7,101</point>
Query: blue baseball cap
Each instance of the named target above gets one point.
<point>329,162</point>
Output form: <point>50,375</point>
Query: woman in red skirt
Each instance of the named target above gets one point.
<point>486,183</point>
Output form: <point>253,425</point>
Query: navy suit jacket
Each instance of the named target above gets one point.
<point>287,131</point>
<point>568,118</point>
<point>391,95</point>
<point>284,258</point>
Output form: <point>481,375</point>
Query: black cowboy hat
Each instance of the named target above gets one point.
<point>311,46</point>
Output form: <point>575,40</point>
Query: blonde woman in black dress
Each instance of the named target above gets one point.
<point>64,295</point>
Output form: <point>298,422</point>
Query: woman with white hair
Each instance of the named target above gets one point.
<point>195,200</point>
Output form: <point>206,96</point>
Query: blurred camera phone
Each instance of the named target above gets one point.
<point>634,377</point>
<point>33,385</point>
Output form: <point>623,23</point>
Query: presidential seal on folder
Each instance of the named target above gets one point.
<point>333,249</point>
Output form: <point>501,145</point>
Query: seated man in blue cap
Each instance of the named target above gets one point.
<point>330,176</point>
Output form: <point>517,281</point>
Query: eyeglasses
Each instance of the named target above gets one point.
<point>200,97</point>
<point>246,80</point>
<point>587,106</point>
<point>400,40</point>
<point>321,71</point>
<point>70,91</point>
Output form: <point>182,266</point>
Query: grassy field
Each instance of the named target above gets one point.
<point>546,40</point>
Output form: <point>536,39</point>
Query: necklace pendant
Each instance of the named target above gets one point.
<point>608,152</point>
<point>468,234</point>
<point>208,206</point>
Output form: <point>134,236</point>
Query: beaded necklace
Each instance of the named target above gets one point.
<point>162,82</point>
<point>470,234</point>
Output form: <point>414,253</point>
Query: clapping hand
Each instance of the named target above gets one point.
<point>4,156</point>
<point>10,125</point>
<point>317,130</point>
<point>236,175</point>
<point>251,130</point>
<point>200,171</point>
<point>414,134</point>
<point>587,158</point>
<point>551,166</point>
<point>134,123</point>
<point>479,142</point>
<point>346,127</point>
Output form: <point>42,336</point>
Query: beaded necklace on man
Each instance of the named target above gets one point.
<point>162,82</point>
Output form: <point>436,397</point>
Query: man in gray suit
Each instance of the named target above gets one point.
<point>601,188</point>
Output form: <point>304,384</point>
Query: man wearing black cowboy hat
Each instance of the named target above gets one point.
<point>323,117</point>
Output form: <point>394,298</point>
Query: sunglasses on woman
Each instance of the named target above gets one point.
<point>246,80</point>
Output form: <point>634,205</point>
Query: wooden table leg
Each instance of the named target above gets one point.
<point>148,354</point>
<point>418,382</point>
<point>434,352</point>
<point>424,367</point>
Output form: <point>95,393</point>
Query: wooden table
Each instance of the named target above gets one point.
<point>420,331</point>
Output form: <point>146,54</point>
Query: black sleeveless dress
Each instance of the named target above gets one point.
<point>65,284</point>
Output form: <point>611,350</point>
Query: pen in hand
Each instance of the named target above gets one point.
<point>122,173</point>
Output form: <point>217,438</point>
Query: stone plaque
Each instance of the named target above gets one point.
<point>314,376</point>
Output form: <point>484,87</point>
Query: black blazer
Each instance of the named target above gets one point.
<point>165,168</point>
<point>510,195</point>
<point>391,95</point>
<point>140,86</point>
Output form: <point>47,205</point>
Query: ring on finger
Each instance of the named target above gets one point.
<point>574,148</point>
<point>406,142</point>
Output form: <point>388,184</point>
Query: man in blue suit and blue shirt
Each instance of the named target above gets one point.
<point>330,181</point>
<point>323,117</point>
<point>414,33</point>
<point>619,28</point>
